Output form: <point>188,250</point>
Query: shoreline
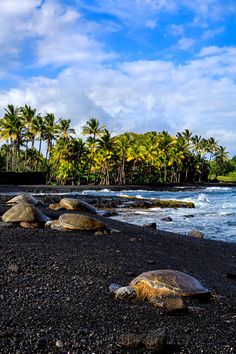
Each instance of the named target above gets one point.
<point>54,286</point>
<point>73,188</point>
<point>56,191</point>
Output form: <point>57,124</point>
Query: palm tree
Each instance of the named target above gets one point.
<point>40,128</point>
<point>5,153</point>
<point>122,144</point>
<point>186,135</point>
<point>77,152</point>
<point>92,128</point>
<point>64,129</point>
<point>94,131</point>
<point>28,115</point>
<point>104,155</point>
<point>181,159</point>
<point>166,142</point>
<point>69,152</point>
<point>50,133</point>
<point>221,155</point>
<point>11,131</point>
<point>211,146</point>
<point>136,155</point>
<point>150,168</point>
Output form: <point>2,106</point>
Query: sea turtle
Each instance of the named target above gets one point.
<point>73,204</point>
<point>23,198</point>
<point>157,285</point>
<point>76,222</point>
<point>80,205</point>
<point>25,212</point>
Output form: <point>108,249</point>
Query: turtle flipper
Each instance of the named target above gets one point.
<point>122,292</point>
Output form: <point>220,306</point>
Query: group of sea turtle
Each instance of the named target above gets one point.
<point>25,211</point>
<point>161,288</point>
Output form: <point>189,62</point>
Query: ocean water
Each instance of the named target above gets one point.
<point>214,213</point>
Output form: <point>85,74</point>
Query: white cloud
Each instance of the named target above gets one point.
<point>13,16</point>
<point>70,48</point>
<point>212,33</point>
<point>47,32</point>
<point>185,43</point>
<point>64,38</point>
<point>132,13</point>
<point>144,95</point>
<point>212,50</point>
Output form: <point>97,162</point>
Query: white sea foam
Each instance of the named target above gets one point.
<point>89,191</point>
<point>142,212</point>
<point>203,198</point>
<point>138,196</point>
<point>225,213</point>
<point>218,189</point>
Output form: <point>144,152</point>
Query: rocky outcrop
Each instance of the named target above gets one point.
<point>196,233</point>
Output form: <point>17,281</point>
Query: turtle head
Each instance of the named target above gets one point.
<point>122,292</point>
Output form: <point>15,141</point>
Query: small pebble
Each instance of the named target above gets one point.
<point>151,261</point>
<point>59,344</point>
<point>14,268</point>
<point>133,239</point>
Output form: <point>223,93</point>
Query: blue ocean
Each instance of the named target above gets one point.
<point>214,213</point>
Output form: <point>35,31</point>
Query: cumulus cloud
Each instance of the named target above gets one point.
<point>53,33</point>
<point>13,30</point>
<point>144,95</point>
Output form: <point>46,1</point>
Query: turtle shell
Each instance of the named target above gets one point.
<point>80,222</point>
<point>167,283</point>
<point>24,212</point>
<point>23,198</point>
<point>77,204</point>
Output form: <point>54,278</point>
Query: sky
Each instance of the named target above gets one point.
<point>136,65</point>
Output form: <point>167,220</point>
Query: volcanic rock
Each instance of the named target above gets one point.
<point>196,233</point>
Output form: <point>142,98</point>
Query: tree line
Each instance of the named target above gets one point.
<point>32,142</point>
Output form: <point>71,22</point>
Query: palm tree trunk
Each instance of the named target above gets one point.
<point>39,152</point>
<point>7,157</point>
<point>26,151</point>
<point>12,155</point>
<point>165,172</point>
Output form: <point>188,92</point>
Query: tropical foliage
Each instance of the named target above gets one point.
<point>32,142</point>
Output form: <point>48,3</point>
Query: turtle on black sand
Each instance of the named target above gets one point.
<point>23,198</point>
<point>76,222</point>
<point>27,214</point>
<point>162,288</point>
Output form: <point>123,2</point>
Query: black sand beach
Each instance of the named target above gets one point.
<point>54,287</point>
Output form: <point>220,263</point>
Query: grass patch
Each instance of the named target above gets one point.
<point>230,178</point>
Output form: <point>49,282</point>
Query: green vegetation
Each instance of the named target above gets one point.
<point>129,158</point>
<point>230,178</point>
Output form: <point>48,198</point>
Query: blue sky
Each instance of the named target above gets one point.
<point>136,65</point>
